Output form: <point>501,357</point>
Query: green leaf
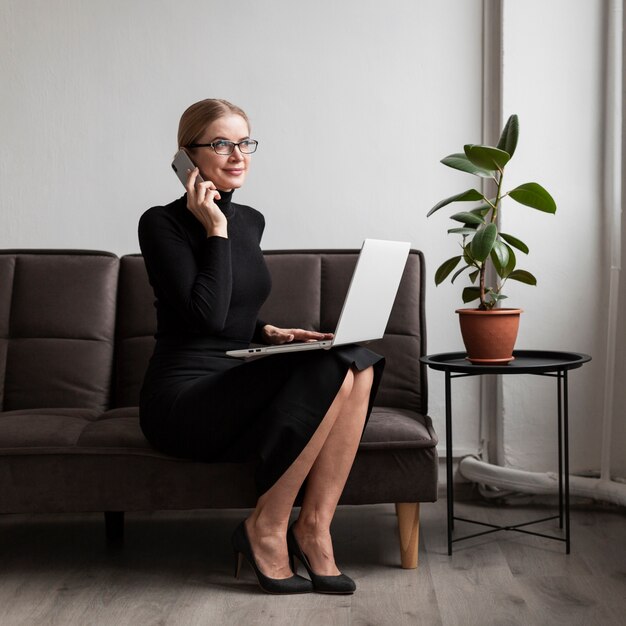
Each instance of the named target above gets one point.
<point>467,254</point>
<point>482,210</point>
<point>459,161</point>
<point>535,196</point>
<point>483,242</point>
<point>465,196</point>
<point>488,158</point>
<point>445,268</point>
<point>509,136</point>
<point>510,266</point>
<point>470,294</point>
<point>458,272</point>
<point>474,275</point>
<point>503,259</point>
<point>462,231</point>
<point>515,242</point>
<point>498,296</point>
<point>500,257</point>
<point>466,217</point>
<point>523,276</point>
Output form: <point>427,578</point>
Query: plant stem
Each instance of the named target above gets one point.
<point>496,206</point>
<point>483,304</point>
<point>494,215</point>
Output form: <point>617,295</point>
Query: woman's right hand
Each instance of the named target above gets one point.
<point>201,202</point>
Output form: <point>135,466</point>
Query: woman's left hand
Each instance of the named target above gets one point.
<point>276,336</point>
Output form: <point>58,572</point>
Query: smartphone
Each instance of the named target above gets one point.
<point>181,166</point>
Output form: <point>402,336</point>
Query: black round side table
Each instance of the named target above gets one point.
<point>537,362</point>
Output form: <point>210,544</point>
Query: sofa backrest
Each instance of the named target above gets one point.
<point>57,323</point>
<point>135,328</point>
<point>315,283</point>
<point>308,289</point>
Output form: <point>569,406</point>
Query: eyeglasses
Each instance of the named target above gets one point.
<point>247,146</point>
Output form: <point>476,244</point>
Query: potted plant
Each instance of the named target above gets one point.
<point>489,332</point>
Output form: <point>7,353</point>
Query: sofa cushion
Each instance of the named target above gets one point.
<point>117,429</point>
<point>297,283</point>
<point>89,432</point>
<point>57,318</point>
<point>74,460</point>
<point>39,431</point>
<point>389,428</point>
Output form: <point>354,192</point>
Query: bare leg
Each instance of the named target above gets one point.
<point>328,476</point>
<point>267,524</point>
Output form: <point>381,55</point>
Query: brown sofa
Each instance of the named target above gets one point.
<point>75,337</point>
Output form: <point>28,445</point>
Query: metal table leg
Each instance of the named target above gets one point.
<point>449,478</point>
<point>559,389</point>
<point>566,468</point>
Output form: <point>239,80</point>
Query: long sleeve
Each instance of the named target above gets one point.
<point>205,286</point>
<point>198,288</point>
<point>258,331</point>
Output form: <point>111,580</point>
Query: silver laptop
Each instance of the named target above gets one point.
<point>368,303</point>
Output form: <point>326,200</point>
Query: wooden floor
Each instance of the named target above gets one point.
<point>176,568</point>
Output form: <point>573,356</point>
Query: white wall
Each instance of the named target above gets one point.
<point>553,79</point>
<point>354,103</point>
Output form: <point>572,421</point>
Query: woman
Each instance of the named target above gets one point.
<point>299,416</point>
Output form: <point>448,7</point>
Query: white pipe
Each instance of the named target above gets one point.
<point>492,56</point>
<point>613,212</point>
<point>518,481</point>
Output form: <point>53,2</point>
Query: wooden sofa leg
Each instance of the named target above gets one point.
<point>114,526</point>
<point>408,527</point>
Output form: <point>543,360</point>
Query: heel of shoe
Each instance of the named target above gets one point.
<point>340,584</point>
<point>243,549</point>
<point>292,563</point>
<point>238,562</point>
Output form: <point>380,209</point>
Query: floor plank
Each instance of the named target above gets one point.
<point>177,568</point>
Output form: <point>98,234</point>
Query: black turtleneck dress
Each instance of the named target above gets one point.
<point>196,402</point>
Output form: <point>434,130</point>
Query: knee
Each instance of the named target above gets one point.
<point>348,385</point>
<point>363,381</point>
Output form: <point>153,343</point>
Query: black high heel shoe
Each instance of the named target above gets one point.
<point>322,584</point>
<point>242,548</point>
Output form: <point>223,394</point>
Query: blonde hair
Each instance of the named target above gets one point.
<point>198,116</point>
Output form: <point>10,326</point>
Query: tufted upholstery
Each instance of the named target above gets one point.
<point>76,333</point>
<point>57,321</point>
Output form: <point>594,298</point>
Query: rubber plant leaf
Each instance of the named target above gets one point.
<point>509,136</point>
<point>510,266</point>
<point>470,293</point>
<point>466,217</point>
<point>462,231</point>
<point>459,161</point>
<point>483,242</point>
<point>487,157</point>
<point>535,196</point>
<point>500,257</point>
<point>482,210</point>
<point>467,254</point>
<point>523,277</point>
<point>515,242</point>
<point>459,272</point>
<point>465,196</point>
<point>445,268</point>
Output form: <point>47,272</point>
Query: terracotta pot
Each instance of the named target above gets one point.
<point>489,336</point>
